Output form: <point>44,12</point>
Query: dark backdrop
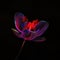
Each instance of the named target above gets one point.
<point>10,44</point>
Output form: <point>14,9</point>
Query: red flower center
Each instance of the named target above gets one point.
<point>32,25</point>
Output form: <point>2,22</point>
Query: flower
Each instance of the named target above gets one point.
<point>29,30</point>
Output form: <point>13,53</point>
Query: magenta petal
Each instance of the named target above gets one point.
<point>18,20</point>
<point>41,28</point>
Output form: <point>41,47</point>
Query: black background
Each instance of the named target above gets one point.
<point>10,44</point>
